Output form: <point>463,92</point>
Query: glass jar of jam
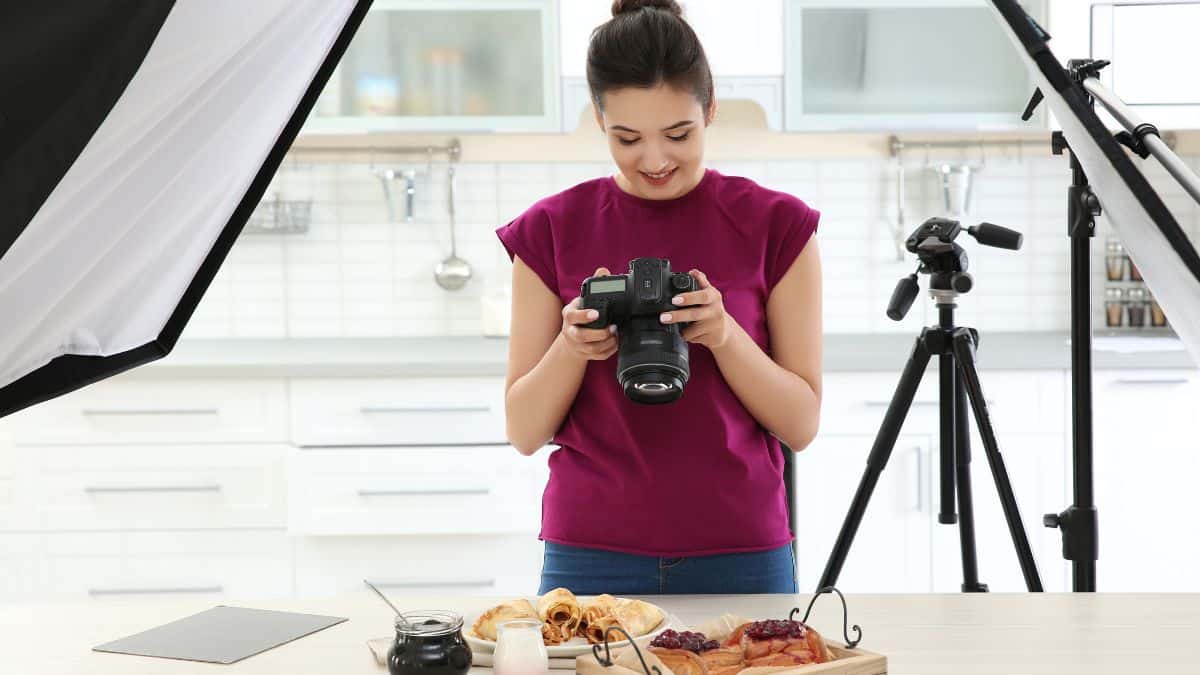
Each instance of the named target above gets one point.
<point>429,643</point>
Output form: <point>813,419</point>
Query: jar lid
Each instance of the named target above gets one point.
<point>428,623</point>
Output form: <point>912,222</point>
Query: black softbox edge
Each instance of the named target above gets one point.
<point>69,372</point>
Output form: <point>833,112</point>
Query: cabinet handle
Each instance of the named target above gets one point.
<point>409,493</point>
<point>97,412</point>
<point>920,478</point>
<point>384,410</point>
<point>1151,380</point>
<point>138,591</point>
<point>102,489</point>
<point>477,583</point>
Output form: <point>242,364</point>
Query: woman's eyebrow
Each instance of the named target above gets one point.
<point>681,123</point>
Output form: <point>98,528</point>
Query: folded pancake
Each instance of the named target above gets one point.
<point>636,616</point>
<point>560,607</point>
<point>599,607</point>
<point>487,626</point>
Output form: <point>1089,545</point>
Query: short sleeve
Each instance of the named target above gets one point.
<point>529,237</point>
<point>792,227</point>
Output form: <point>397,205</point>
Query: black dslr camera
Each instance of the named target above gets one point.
<point>652,360</point>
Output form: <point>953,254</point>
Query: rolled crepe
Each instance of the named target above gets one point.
<point>556,634</point>
<point>600,606</point>
<point>487,626</point>
<point>596,627</point>
<point>560,608</point>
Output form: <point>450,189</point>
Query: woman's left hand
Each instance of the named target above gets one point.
<point>710,323</point>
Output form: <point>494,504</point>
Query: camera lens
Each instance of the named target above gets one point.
<point>652,361</point>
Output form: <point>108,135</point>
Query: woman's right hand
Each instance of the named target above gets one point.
<point>591,344</point>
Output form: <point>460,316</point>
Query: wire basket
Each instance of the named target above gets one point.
<point>280,216</point>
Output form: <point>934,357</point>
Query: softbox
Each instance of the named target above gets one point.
<point>136,138</point>
<point>1152,236</point>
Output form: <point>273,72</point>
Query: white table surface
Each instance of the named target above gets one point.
<point>1005,634</point>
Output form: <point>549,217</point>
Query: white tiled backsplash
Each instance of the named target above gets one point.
<point>354,274</point>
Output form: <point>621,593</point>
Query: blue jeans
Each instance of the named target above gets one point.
<point>586,571</point>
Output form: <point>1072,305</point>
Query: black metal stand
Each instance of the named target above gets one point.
<point>955,348</point>
<point>1079,523</point>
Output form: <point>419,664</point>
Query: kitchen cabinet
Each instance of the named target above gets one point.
<point>1152,50</point>
<point>891,549</point>
<point>743,42</point>
<point>1145,480</point>
<point>414,565</point>
<point>888,64</point>
<point>900,526</point>
<point>414,490</point>
<point>740,38</point>
<point>462,65</point>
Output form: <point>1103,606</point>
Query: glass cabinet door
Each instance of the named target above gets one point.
<point>461,65</point>
<point>880,64</point>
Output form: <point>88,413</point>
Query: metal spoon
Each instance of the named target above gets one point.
<point>382,596</point>
<point>453,272</point>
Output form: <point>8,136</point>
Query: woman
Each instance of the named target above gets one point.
<point>686,497</point>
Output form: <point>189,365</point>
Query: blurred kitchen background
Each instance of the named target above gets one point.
<point>332,413</point>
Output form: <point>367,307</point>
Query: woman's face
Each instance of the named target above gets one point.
<point>656,137</point>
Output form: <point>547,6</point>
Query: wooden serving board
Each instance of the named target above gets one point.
<point>846,662</point>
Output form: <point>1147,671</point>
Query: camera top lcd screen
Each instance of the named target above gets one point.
<point>608,286</point>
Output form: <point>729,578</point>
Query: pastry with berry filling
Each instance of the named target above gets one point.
<point>779,643</point>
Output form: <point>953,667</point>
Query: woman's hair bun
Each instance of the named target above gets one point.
<point>626,6</point>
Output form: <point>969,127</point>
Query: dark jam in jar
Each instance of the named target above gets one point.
<point>429,643</point>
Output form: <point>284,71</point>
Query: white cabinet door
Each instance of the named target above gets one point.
<point>1147,457</point>
<point>453,65</point>
<point>888,64</point>
<point>891,549</point>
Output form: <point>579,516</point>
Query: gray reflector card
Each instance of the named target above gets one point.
<point>221,634</point>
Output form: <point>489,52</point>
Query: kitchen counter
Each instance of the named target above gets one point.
<point>980,634</point>
<point>480,356</point>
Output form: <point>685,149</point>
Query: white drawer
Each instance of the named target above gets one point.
<point>141,411</point>
<point>438,490</point>
<point>409,566</point>
<point>216,564</point>
<point>406,411</point>
<point>137,487</point>
<point>1018,401</point>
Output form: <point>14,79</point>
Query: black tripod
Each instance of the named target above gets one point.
<point>946,262</point>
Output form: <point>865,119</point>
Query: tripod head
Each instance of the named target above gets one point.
<point>945,261</point>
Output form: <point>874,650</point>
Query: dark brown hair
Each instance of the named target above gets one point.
<point>647,43</point>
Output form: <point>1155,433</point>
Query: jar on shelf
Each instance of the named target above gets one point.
<point>1114,260</point>
<point>1114,307</point>
<point>1158,318</point>
<point>1135,309</point>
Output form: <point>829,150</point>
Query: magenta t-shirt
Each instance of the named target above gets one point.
<point>698,476</point>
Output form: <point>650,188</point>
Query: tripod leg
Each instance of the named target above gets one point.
<point>948,423</point>
<point>885,440</point>
<point>964,353</point>
<point>966,508</point>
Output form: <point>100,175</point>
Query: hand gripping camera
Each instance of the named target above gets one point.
<point>652,359</point>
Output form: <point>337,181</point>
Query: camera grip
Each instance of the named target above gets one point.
<point>601,307</point>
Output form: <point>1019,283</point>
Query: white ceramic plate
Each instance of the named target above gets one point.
<point>571,648</point>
